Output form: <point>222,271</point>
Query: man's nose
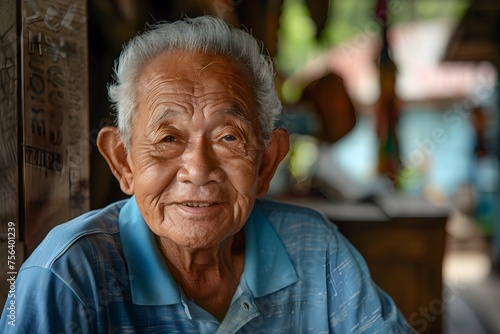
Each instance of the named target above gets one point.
<point>201,164</point>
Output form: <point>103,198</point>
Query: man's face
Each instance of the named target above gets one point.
<point>194,152</point>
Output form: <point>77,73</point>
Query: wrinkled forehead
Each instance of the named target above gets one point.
<point>193,64</point>
<point>198,75</point>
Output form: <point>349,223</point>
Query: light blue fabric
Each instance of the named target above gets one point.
<point>102,273</point>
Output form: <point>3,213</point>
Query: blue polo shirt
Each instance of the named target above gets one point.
<point>103,272</point>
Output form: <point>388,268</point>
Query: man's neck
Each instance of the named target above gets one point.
<point>209,277</point>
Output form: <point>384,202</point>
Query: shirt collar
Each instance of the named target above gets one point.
<point>150,280</point>
<point>268,267</point>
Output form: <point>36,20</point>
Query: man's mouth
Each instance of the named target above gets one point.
<point>197,205</point>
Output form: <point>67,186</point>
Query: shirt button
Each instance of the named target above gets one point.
<point>245,305</point>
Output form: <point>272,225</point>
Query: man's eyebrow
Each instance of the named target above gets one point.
<point>164,113</point>
<point>236,111</point>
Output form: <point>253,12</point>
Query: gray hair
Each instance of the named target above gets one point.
<point>205,34</point>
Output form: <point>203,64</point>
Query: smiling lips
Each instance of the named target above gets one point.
<point>197,205</point>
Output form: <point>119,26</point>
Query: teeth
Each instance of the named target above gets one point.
<point>197,205</point>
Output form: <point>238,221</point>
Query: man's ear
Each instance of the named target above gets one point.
<point>113,150</point>
<point>273,154</point>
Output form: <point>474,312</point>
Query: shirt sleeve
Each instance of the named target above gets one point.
<point>42,303</point>
<point>356,303</point>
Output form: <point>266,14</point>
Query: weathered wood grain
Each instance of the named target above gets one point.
<point>44,147</point>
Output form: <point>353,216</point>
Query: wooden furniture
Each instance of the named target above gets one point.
<point>403,241</point>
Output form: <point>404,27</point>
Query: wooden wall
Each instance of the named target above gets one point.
<point>44,123</point>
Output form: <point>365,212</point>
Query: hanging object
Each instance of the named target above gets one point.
<point>386,108</point>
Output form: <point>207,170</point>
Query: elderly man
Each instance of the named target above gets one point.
<point>193,250</point>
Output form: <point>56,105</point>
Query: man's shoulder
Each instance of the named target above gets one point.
<point>292,216</point>
<point>101,223</point>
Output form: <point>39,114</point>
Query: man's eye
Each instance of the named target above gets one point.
<point>229,138</point>
<point>169,139</point>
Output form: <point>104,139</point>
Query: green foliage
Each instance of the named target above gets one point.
<point>347,18</point>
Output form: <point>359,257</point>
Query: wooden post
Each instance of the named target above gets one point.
<point>43,124</point>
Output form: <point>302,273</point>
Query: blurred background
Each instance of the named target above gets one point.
<point>386,101</point>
